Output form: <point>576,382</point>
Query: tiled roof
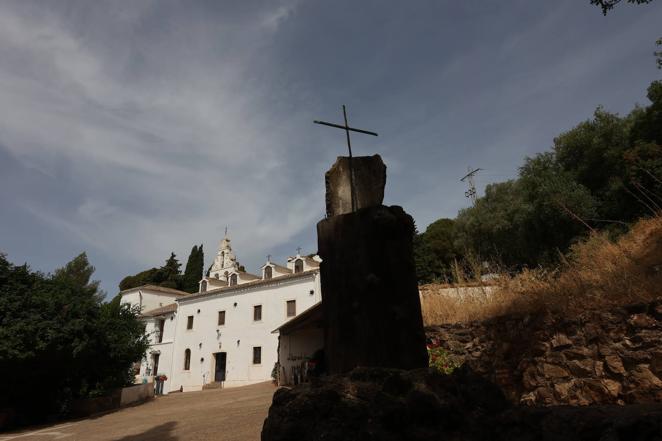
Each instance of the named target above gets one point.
<point>215,281</point>
<point>247,276</point>
<point>279,268</point>
<point>259,282</point>
<point>163,310</point>
<point>156,288</point>
<point>310,318</point>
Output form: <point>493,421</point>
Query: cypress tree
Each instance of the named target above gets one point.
<point>193,271</point>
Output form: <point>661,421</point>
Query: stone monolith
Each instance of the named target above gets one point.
<point>369,181</point>
<point>371,306</point>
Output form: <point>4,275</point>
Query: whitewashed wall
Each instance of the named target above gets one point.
<point>240,333</point>
<point>148,299</point>
<point>165,349</point>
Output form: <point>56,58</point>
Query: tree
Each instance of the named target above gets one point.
<point>608,5</point>
<point>193,271</point>
<point>435,251</point>
<point>78,272</point>
<point>525,221</point>
<point>146,277</point>
<point>59,341</point>
<point>169,274</point>
<point>647,123</point>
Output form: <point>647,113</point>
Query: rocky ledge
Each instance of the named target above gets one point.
<point>599,357</point>
<point>390,404</point>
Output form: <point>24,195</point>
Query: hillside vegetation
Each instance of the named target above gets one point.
<point>602,175</point>
<point>170,275</point>
<point>596,273</point>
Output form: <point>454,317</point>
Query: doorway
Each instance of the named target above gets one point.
<point>155,363</point>
<point>219,373</point>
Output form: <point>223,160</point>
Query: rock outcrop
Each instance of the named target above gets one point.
<point>421,405</point>
<point>612,357</point>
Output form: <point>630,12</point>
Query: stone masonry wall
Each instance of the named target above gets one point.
<point>600,357</point>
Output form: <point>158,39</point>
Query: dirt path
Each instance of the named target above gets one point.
<point>234,414</point>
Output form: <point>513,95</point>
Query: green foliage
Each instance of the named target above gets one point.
<point>441,361</point>
<point>607,5</point>
<point>169,276</point>
<point>647,124</point>
<point>193,271</point>
<point>435,251</point>
<point>146,277</point>
<point>605,173</point>
<point>58,341</point>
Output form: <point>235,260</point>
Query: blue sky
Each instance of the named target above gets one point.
<point>132,129</point>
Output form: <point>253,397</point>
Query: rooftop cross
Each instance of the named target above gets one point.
<point>298,251</point>
<point>348,129</point>
<point>269,258</point>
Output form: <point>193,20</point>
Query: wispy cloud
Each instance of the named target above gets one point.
<point>137,128</point>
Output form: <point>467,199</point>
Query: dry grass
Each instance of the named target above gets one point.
<point>597,273</point>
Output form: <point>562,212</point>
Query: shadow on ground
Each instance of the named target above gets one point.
<point>162,432</point>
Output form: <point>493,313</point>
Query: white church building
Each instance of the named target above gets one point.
<point>224,335</point>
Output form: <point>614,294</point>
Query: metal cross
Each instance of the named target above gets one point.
<point>299,250</point>
<point>348,129</point>
<point>268,257</point>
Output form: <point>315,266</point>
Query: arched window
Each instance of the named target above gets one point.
<point>298,266</point>
<point>187,359</point>
<point>233,280</point>
<point>268,272</point>
<point>203,286</point>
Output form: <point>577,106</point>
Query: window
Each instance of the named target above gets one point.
<point>159,337</point>
<point>233,280</point>
<point>189,322</point>
<point>257,313</point>
<point>221,318</point>
<point>216,275</point>
<point>257,355</point>
<point>291,308</point>
<point>203,286</point>
<point>187,359</point>
<point>298,266</point>
<point>268,272</point>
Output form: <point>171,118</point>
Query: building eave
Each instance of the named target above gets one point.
<point>248,285</point>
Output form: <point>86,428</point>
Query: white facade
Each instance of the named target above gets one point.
<point>240,334</point>
<point>196,341</point>
<point>150,297</point>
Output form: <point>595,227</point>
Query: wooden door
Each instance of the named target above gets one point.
<point>219,374</point>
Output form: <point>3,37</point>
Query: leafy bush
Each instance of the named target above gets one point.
<point>59,341</point>
<point>442,361</point>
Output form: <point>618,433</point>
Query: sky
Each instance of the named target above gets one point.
<point>132,129</point>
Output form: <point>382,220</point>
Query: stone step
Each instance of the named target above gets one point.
<point>214,385</point>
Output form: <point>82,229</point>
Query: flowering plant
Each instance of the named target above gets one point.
<point>161,377</point>
<point>440,360</point>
